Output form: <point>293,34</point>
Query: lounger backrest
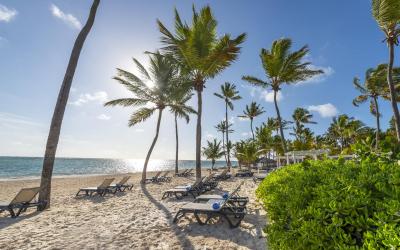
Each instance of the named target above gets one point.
<point>224,172</point>
<point>157,175</point>
<point>106,183</point>
<point>124,180</point>
<point>165,174</point>
<point>25,195</point>
<point>198,182</point>
<point>208,178</point>
<point>235,190</point>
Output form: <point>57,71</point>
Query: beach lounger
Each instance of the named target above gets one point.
<point>122,185</point>
<point>224,175</point>
<point>102,189</point>
<point>154,178</point>
<point>186,173</point>
<point>180,191</point>
<point>259,177</point>
<point>211,209</point>
<point>164,177</point>
<point>182,172</point>
<point>234,197</point>
<point>245,173</point>
<point>21,202</point>
<point>210,183</point>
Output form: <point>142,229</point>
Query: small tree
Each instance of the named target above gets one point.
<point>213,151</point>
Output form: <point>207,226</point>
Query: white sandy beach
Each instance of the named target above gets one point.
<point>136,219</point>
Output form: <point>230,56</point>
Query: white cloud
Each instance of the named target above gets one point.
<point>139,130</point>
<point>246,134</point>
<point>66,18</point>
<point>100,97</point>
<point>6,14</point>
<point>268,96</point>
<point>210,136</point>
<point>324,110</point>
<point>7,119</point>
<point>242,119</point>
<point>328,71</point>
<point>103,117</point>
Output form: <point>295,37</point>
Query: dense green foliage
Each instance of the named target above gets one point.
<point>334,204</point>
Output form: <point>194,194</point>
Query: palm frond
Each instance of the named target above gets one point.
<point>140,115</point>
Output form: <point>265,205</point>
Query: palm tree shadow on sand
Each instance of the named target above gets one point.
<point>181,237</point>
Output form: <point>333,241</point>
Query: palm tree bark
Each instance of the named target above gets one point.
<point>177,144</point>
<point>227,137</point>
<point>251,127</point>
<point>393,97</point>
<point>198,133</point>
<point>146,162</point>
<point>223,146</point>
<point>278,114</point>
<point>58,115</point>
<point>378,126</point>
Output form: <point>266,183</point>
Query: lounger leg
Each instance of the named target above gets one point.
<point>12,213</point>
<point>177,196</point>
<point>196,215</point>
<point>178,215</point>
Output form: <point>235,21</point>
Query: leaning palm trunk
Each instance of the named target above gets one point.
<point>198,134</point>
<point>177,144</point>
<point>393,96</point>
<point>278,114</point>
<point>227,138</point>
<point>251,128</point>
<point>378,126</point>
<point>58,115</point>
<point>152,146</point>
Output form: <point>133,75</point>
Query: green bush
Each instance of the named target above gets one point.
<point>333,204</point>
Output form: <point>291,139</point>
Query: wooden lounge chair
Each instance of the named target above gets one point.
<point>180,191</point>
<point>154,178</point>
<point>102,189</point>
<point>209,182</point>
<point>121,186</point>
<point>213,208</point>
<point>21,202</point>
<point>234,197</point>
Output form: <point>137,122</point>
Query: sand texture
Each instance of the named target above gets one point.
<point>136,219</point>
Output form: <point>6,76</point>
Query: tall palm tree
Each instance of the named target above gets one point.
<point>58,115</point>
<point>387,15</point>
<point>201,54</point>
<point>251,112</point>
<point>221,127</point>
<point>371,89</point>
<point>213,151</point>
<point>301,117</point>
<point>282,66</point>
<point>228,94</point>
<point>180,110</point>
<point>149,99</point>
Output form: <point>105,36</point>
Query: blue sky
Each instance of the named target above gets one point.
<point>36,38</point>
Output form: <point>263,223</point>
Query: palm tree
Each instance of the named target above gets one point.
<point>264,138</point>
<point>371,89</point>
<point>180,110</point>
<point>344,129</point>
<point>58,115</point>
<point>248,152</point>
<point>251,112</point>
<point>213,151</point>
<point>201,54</point>
<point>221,127</point>
<point>282,66</point>
<point>149,99</point>
<point>301,117</point>
<point>228,94</point>
<point>387,15</point>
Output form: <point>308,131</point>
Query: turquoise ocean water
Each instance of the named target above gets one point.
<point>30,167</point>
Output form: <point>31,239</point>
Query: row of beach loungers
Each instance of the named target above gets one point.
<point>229,206</point>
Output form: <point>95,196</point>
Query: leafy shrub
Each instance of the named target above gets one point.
<point>334,204</point>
